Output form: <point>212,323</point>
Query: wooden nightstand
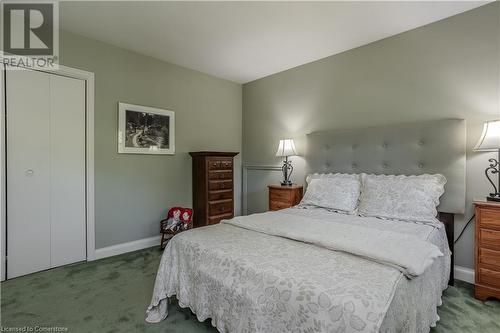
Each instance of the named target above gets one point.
<point>487,250</point>
<point>284,196</point>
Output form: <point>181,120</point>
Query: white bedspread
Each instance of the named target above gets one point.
<point>411,255</point>
<point>256,279</point>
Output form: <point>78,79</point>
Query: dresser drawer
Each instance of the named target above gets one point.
<point>490,218</point>
<point>220,164</point>
<point>277,205</point>
<point>220,207</point>
<point>220,174</point>
<point>214,164</point>
<point>489,277</point>
<point>226,164</point>
<point>220,185</point>
<point>220,195</point>
<point>280,195</point>
<point>490,258</point>
<point>218,218</point>
<point>489,238</point>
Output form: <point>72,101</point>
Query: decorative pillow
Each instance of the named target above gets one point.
<point>410,198</point>
<point>339,192</point>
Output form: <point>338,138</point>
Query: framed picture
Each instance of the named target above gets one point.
<point>145,130</point>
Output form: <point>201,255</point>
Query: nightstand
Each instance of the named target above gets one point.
<point>487,249</point>
<point>281,197</point>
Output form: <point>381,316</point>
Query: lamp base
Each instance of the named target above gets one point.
<point>286,183</point>
<point>497,199</point>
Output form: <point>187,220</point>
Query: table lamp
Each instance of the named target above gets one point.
<point>286,148</point>
<point>490,141</point>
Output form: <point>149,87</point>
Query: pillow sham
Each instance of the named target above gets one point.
<point>339,192</point>
<point>410,198</point>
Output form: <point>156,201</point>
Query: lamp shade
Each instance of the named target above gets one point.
<point>490,138</point>
<point>286,148</point>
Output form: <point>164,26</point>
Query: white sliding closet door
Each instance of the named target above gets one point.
<point>28,184</point>
<point>67,170</point>
<point>45,171</point>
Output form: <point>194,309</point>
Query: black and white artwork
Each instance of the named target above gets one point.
<point>145,130</point>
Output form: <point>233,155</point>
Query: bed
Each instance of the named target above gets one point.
<point>313,269</point>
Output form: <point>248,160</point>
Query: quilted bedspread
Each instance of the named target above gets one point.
<point>251,277</point>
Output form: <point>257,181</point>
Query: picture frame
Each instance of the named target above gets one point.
<point>145,130</point>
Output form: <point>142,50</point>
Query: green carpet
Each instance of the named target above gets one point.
<point>111,295</point>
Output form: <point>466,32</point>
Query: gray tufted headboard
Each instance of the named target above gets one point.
<point>413,148</point>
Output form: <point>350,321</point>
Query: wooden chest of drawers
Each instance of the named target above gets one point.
<point>213,194</point>
<point>487,250</point>
<point>281,197</point>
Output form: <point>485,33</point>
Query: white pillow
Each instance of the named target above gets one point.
<point>410,198</point>
<point>339,192</point>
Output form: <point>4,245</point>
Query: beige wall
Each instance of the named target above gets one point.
<point>448,69</point>
<point>133,192</point>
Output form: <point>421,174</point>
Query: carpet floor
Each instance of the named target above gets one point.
<point>111,295</point>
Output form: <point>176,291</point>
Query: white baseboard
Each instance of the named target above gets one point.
<point>117,249</point>
<point>464,274</point>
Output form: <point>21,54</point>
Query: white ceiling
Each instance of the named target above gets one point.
<point>244,41</point>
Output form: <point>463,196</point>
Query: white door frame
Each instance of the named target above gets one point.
<point>88,77</point>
